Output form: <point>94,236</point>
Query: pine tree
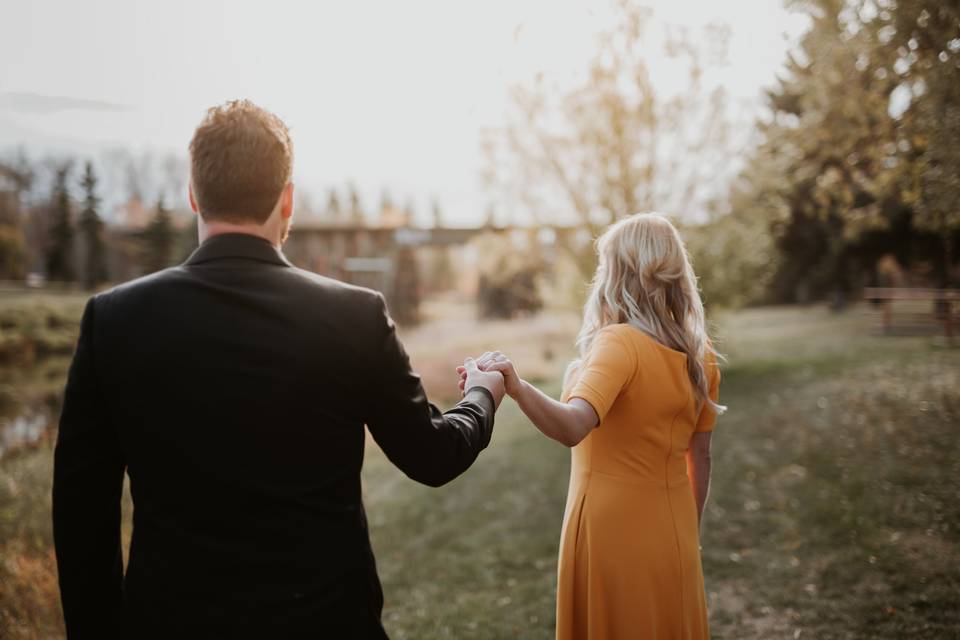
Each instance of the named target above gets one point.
<point>850,172</point>
<point>158,240</point>
<point>334,212</point>
<point>357,216</point>
<point>437,214</point>
<point>386,207</point>
<point>59,256</point>
<point>409,214</point>
<point>91,230</point>
<point>441,267</point>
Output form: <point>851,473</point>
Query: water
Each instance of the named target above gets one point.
<point>23,430</point>
<point>30,399</point>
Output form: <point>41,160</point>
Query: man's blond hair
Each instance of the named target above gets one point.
<point>241,158</point>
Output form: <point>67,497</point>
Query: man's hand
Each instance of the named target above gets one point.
<point>496,361</point>
<point>472,376</point>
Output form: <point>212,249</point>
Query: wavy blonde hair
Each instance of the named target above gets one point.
<point>644,278</point>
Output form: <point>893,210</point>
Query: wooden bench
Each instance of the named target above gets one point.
<point>931,308</point>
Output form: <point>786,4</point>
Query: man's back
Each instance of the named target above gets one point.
<point>234,389</point>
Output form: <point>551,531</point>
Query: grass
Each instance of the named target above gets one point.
<point>36,324</point>
<point>833,512</point>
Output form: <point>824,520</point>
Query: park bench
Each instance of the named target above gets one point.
<point>907,310</point>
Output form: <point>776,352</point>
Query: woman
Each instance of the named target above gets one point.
<point>637,409</point>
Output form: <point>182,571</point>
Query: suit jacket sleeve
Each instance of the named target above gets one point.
<point>87,485</point>
<point>429,446</point>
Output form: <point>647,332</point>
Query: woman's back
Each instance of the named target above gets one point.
<point>629,551</point>
<point>642,393</point>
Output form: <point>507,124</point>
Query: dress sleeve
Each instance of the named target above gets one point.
<point>708,414</point>
<point>608,369</point>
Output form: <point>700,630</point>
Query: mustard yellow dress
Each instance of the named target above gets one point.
<point>629,551</point>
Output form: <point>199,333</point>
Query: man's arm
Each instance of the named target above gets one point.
<point>87,485</point>
<point>429,446</point>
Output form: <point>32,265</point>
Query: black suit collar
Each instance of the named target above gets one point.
<point>237,245</point>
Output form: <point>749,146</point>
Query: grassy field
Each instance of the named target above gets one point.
<point>36,324</point>
<point>833,512</point>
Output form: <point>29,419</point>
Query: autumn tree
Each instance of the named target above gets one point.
<point>16,177</point>
<point>616,144</point>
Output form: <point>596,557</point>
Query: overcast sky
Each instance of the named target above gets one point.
<point>385,94</point>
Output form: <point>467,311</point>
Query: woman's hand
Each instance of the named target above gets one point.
<point>496,361</point>
<point>566,422</point>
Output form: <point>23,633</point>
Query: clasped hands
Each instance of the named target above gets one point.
<point>491,368</point>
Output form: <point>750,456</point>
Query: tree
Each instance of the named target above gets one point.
<point>357,216</point>
<point>334,212</point>
<point>158,240</point>
<point>615,145</point>
<point>409,213</point>
<point>441,274</point>
<point>508,285</point>
<point>405,298</point>
<point>15,179</point>
<point>926,35</point>
<point>389,215</point>
<point>91,230</point>
<point>852,157</point>
<point>59,257</point>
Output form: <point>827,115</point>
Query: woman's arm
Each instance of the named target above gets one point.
<point>567,423</point>
<point>698,469</point>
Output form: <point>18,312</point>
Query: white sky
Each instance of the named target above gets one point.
<point>387,94</point>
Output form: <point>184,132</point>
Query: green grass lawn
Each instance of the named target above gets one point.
<point>833,512</point>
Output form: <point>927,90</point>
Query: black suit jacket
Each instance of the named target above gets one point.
<point>234,390</point>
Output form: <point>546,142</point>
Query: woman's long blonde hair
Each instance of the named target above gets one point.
<point>644,278</point>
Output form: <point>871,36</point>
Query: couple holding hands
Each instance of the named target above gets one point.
<point>233,391</point>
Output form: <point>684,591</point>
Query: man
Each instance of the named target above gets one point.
<point>233,390</point>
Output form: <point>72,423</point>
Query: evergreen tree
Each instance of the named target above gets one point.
<point>334,212</point>
<point>91,230</point>
<point>357,216</point>
<point>851,163</point>
<point>59,256</point>
<point>441,276</point>
<point>386,206</point>
<point>185,243</point>
<point>409,213</point>
<point>927,38</point>
<point>158,240</point>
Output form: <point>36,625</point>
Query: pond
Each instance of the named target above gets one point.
<point>30,399</point>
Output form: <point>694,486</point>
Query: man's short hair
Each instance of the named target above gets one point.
<point>241,158</point>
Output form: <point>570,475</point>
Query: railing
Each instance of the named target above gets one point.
<point>940,311</point>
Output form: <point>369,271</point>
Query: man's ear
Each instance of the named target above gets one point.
<point>193,200</point>
<point>286,202</point>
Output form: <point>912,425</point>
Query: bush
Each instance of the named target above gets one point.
<point>509,278</point>
<point>734,257</point>
<point>12,253</point>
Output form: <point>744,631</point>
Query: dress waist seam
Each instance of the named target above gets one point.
<point>650,484</point>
